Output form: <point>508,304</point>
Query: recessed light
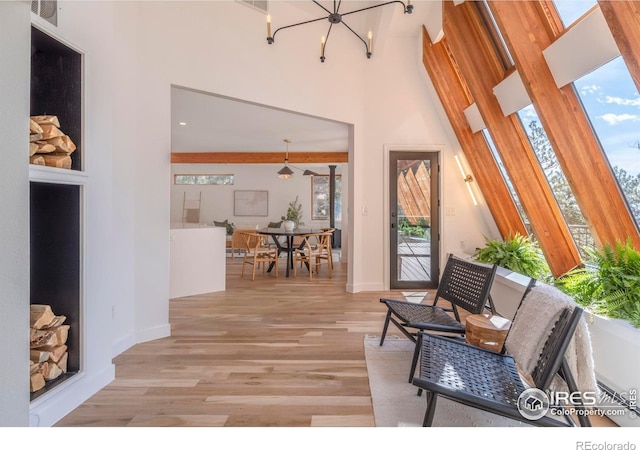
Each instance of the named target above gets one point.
<point>182,123</point>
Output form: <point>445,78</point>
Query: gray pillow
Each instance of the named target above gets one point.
<point>274,224</point>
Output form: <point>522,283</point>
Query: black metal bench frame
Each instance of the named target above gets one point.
<point>464,284</point>
<point>489,380</point>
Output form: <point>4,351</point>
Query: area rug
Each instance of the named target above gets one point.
<point>395,400</point>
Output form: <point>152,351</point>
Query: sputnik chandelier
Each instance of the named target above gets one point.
<point>335,17</point>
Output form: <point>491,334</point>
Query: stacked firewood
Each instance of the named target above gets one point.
<point>48,352</point>
<point>48,145</point>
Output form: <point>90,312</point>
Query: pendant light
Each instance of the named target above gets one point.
<point>286,172</point>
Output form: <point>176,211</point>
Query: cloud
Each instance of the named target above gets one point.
<point>620,101</point>
<point>614,119</point>
<point>589,89</point>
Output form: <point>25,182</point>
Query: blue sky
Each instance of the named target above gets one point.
<point>613,105</point>
<point>610,99</point>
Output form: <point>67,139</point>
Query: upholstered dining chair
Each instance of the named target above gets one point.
<point>258,251</point>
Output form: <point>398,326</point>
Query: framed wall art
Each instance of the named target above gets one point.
<point>251,203</point>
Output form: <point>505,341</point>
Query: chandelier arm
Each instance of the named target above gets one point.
<point>358,36</point>
<point>295,25</point>
<point>322,58</point>
<point>318,3</point>
<point>377,6</point>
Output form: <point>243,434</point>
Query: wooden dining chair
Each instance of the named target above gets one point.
<point>257,251</point>
<point>313,253</point>
<point>325,252</point>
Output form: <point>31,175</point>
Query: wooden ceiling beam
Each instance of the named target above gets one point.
<point>566,124</point>
<point>259,157</point>
<point>474,53</point>
<point>455,98</point>
<point>623,18</point>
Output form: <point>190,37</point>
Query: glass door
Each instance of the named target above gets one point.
<point>414,218</point>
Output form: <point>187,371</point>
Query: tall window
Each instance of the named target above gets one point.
<point>494,34</point>
<point>320,197</point>
<point>555,177</point>
<point>572,10</point>
<point>507,180</point>
<point>612,103</point>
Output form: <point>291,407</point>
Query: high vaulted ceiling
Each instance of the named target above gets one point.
<point>241,126</point>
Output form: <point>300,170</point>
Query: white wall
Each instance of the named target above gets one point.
<point>14,222</point>
<point>388,100</point>
<point>403,113</point>
<point>217,201</point>
<point>133,56</point>
<point>95,40</point>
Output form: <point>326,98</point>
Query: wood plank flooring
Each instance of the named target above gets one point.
<point>274,352</point>
<point>270,352</point>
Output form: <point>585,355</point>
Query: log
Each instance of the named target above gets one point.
<point>37,160</point>
<point>60,161</point>
<point>62,363</point>
<point>33,148</point>
<point>49,131</point>
<point>62,334</point>
<point>56,322</point>
<point>38,356</point>
<point>48,353</point>
<point>40,316</point>
<point>37,367</point>
<point>35,137</point>
<point>62,144</point>
<point>45,147</point>
<point>46,120</point>
<point>37,382</point>
<point>41,338</point>
<point>34,127</point>
<point>52,372</point>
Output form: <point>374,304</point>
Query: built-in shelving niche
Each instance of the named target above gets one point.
<point>56,261</point>
<point>57,199</point>
<point>56,86</point>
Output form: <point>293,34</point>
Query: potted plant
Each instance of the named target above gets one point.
<point>608,287</point>
<point>517,253</point>
<point>293,218</point>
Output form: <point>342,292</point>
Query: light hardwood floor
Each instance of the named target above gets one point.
<point>284,352</point>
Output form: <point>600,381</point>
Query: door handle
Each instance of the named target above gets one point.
<point>393,225</point>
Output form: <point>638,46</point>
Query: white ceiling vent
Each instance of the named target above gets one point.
<point>260,5</point>
<point>47,9</point>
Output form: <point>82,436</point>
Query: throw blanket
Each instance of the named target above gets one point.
<point>533,323</point>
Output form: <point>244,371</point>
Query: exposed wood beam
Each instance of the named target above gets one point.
<point>259,157</point>
<point>566,124</point>
<point>473,51</point>
<point>455,98</point>
<point>623,18</point>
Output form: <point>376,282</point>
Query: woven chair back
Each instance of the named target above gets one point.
<point>555,347</point>
<point>466,284</point>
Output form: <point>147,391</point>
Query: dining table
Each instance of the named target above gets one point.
<point>287,245</point>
